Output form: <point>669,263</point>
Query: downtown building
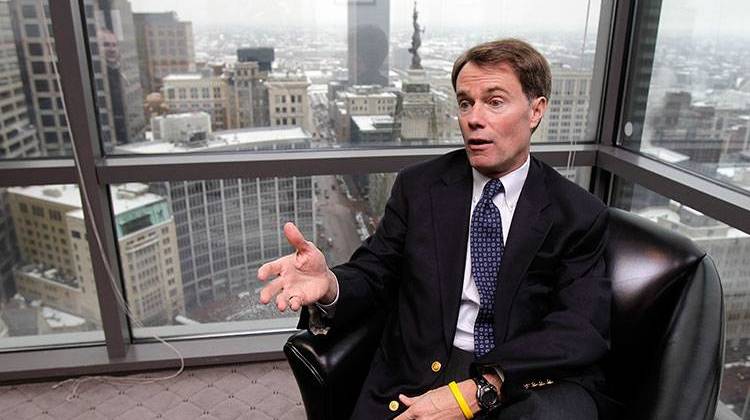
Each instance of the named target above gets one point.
<point>165,46</point>
<point>288,103</point>
<point>117,35</point>
<point>249,93</point>
<point>226,229</point>
<point>18,139</point>
<point>418,112</point>
<point>117,85</point>
<point>359,101</point>
<point>196,92</point>
<point>368,35</point>
<point>56,270</point>
<point>567,112</point>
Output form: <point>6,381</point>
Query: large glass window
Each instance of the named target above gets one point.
<point>730,250</point>
<point>190,250</point>
<point>688,102</point>
<point>47,290</point>
<point>341,73</point>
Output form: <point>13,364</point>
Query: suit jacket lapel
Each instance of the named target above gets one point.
<point>527,232</point>
<point>451,204</point>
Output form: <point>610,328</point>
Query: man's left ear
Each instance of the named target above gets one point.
<point>538,107</point>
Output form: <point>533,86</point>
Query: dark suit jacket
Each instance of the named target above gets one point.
<point>553,299</point>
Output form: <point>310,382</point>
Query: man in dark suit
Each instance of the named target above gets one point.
<point>487,265</point>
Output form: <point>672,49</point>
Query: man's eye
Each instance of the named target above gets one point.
<point>495,102</point>
<point>464,105</point>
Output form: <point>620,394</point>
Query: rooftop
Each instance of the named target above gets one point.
<point>126,196</point>
<point>240,139</point>
<point>182,76</point>
<point>373,122</point>
<point>182,116</point>
<point>49,274</point>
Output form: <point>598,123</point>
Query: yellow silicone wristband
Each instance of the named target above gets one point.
<point>460,400</point>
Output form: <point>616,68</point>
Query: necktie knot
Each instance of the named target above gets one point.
<point>492,188</point>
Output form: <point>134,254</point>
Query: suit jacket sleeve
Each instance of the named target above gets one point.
<point>574,335</point>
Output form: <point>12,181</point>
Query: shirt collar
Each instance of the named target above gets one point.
<point>512,183</point>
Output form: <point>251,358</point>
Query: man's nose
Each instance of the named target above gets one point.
<point>475,117</point>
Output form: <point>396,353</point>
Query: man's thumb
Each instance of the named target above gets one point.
<point>294,236</point>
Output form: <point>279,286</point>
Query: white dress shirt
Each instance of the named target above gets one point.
<point>505,202</point>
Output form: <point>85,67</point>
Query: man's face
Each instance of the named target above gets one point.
<point>496,118</point>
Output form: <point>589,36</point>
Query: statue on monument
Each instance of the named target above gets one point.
<point>416,41</point>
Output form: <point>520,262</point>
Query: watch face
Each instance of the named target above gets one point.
<point>488,398</point>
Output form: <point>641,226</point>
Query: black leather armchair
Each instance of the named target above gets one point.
<point>667,333</point>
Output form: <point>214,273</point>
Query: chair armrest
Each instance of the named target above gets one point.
<point>330,369</point>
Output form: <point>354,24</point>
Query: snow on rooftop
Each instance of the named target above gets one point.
<point>58,319</point>
<point>182,115</point>
<point>125,197</point>
<point>222,140</point>
<point>182,76</point>
<point>368,122</point>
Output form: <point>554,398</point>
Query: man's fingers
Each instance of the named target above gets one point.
<point>407,401</point>
<point>274,287</point>
<point>269,269</point>
<point>295,237</point>
<point>282,301</point>
<point>295,302</point>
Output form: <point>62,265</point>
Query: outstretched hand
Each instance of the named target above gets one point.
<point>302,278</point>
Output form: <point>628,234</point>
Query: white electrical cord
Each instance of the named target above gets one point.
<point>574,141</point>
<point>110,273</point>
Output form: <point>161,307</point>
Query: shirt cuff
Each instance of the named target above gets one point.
<point>321,313</point>
<point>328,310</point>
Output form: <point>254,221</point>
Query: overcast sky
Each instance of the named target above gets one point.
<point>434,14</point>
<point>700,17</point>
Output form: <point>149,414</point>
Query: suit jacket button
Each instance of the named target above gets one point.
<point>436,366</point>
<point>393,406</point>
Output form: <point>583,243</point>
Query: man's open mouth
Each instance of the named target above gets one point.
<point>479,142</point>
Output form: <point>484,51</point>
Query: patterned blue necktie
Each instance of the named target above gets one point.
<point>486,252</point>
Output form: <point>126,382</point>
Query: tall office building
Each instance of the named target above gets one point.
<point>249,95</point>
<point>57,270</point>
<point>31,27</point>
<point>196,92</point>
<point>288,104</point>
<point>117,36</point>
<point>18,139</point>
<point>165,46</point>
<point>248,80</point>
<point>17,135</point>
<point>226,229</point>
<point>568,108</point>
<point>368,35</point>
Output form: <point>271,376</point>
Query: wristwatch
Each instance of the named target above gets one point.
<point>487,396</point>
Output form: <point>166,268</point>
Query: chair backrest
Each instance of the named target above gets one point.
<point>667,327</point>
